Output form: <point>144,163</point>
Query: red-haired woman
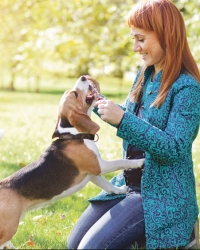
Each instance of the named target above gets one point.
<point>159,121</point>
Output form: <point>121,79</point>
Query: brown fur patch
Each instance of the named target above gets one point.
<point>84,158</point>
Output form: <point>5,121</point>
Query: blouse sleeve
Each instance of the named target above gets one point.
<point>182,127</point>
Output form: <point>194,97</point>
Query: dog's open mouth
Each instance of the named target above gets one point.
<point>93,94</point>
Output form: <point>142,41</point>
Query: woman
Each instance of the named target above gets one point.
<point>159,120</point>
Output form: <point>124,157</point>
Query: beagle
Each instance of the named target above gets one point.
<point>65,167</point>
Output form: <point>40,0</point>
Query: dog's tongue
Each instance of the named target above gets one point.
<point>90,98</point>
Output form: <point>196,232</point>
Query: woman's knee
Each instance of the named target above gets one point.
<point>72,242</point>
<point>87,220</point>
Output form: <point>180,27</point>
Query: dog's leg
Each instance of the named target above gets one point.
<point>8,229</point>
<point>107,186</point>
<point>7,245</point>
<point>110,166</point>
<point>10,212</point>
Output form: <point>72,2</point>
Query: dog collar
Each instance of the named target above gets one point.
<point>67,136</point>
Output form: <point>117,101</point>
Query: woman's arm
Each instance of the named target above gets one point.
<point>183,123</point>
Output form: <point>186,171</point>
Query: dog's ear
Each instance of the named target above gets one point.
<point>82,122</point>
<point>55,133</point>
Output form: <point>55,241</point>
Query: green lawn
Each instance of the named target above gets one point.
<point>29,121</point>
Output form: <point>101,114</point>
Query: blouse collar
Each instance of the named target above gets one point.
<point>148,71</point>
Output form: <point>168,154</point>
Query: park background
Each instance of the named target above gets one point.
<point>45,46</point>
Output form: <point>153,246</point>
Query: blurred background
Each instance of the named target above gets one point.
<point>45,46</point>
<point>45,41</point>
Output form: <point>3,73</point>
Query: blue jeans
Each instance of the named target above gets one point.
<point>114,224</point>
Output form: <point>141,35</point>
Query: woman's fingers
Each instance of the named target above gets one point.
<point>100,102</point>
<point>109,111</point>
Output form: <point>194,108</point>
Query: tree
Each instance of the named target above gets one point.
<point>70,38</point>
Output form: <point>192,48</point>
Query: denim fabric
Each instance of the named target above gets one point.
<point>113,224</point>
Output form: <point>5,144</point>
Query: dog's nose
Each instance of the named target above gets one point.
<point>83,78</point>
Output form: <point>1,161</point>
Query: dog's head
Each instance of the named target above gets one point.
<point>75,108</point>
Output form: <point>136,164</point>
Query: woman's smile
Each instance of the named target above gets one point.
<point>147,45</point>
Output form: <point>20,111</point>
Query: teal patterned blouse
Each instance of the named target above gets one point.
<point>166,135</point>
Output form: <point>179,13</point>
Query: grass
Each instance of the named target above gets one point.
<point>29,121</point>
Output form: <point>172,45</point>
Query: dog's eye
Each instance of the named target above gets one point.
<point>75,93</point>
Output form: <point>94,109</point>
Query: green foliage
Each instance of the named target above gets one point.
<point>191,14</point>
<point>70,38</point>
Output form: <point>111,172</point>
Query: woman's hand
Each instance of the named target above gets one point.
<point>109,111</point>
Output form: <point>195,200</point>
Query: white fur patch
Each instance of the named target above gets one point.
<point>82,85</point>
<point>73,130</point>
<point>7,245</point>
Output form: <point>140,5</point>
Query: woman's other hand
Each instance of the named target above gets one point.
<point>109,111</point>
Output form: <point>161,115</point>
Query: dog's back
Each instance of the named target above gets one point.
<point>32,182</point>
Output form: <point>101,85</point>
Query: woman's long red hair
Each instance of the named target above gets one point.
<point>163,18</point>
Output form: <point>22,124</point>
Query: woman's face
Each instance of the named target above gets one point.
<point>147,44</point>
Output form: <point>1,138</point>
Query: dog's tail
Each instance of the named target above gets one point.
<point>1,133</point>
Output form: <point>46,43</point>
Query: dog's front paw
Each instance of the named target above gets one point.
<point>7,245</point>
<point>137,163</point>
<point>118,190</point>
